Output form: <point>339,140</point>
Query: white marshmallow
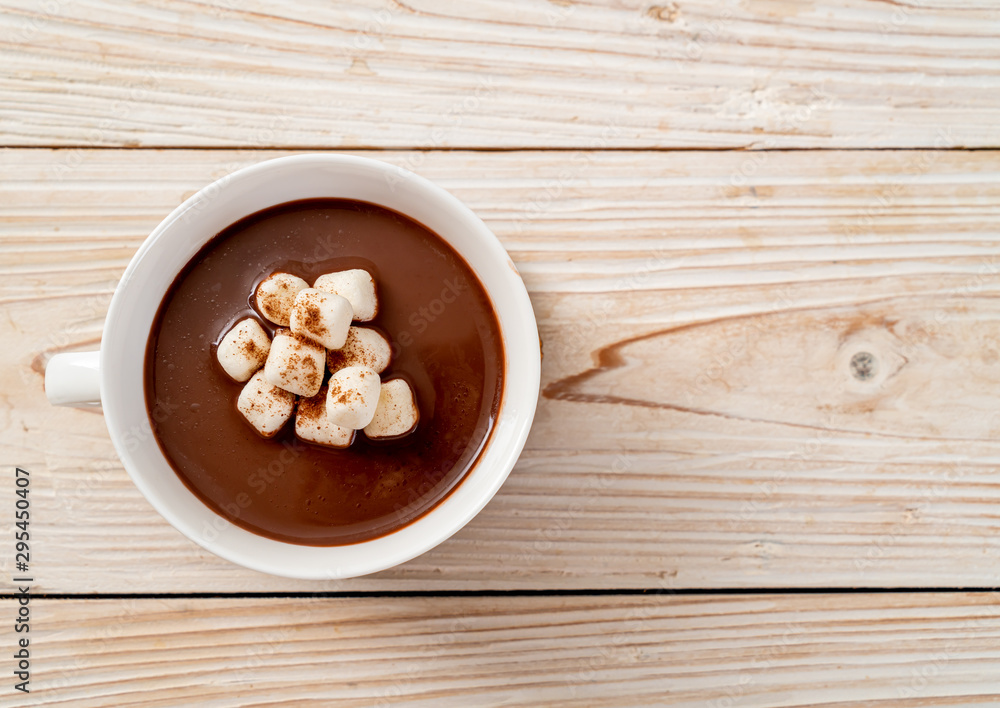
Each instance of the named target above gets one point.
<point>397,413</point>
<point>312,425</point>
<point>322,317</point>
<point>352,396</point>
<point>356,285</point>
<point>295,364</point>
<point>266,407</point>
<point>364,347</point>
<point>244,349</point>
<point>276,294</point>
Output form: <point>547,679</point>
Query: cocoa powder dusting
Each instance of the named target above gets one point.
<point>312,409</point>
<point>253,351</point>
<point>336,359</point>
<point>311,318</point>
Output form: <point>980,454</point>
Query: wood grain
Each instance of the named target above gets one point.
<point>701,424</point>
<point>495,74</point>
<point>899,649</point>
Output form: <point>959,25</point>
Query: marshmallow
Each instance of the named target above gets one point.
<point>276,294</point>
<point>356,285</point>
<point>352,396</point>
<point>267,408</point>
<point>322,317</point>
<point>312,425</point>
<point>244,349</point>
<point>364,347</point>
<point>295,364</point>
<point>397,413</point>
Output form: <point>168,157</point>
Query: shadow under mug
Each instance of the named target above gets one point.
<point>113,377</point>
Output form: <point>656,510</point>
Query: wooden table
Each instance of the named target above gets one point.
<point>761,239</point>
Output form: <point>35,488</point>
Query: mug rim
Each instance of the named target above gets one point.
<point>518,394</point>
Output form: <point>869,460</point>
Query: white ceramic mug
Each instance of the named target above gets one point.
<point>113,377</point>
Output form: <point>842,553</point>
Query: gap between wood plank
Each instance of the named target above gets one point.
<point>424,148</point>
<point>596,592</point>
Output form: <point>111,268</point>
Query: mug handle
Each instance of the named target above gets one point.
<point>74,379</point>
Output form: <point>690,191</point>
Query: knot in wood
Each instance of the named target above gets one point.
<point>864,366</point>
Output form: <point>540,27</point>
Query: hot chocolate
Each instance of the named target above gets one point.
<point>445,343</point>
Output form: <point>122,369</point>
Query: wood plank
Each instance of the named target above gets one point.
<point>832,650</point>
<point>489,73</point>
<point>731,445</point>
